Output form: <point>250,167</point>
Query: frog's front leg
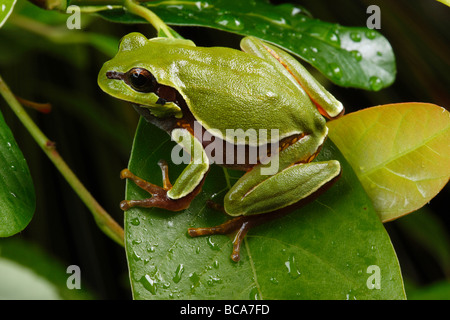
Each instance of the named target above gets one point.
<point>256,197</point>
<point>187,186</point>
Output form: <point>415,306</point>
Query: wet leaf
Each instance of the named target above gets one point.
<point>400,153</point>
<point>321,251</point>
<point>17,198</point>
<point>348,56</point>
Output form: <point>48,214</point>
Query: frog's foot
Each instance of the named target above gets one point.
<point>159,197</point>
<point>240,225</point>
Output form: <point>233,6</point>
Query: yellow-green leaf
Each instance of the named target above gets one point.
<point>446,2</point>
<point>400,152</point>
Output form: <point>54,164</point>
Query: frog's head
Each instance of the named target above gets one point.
<point>130,75</point>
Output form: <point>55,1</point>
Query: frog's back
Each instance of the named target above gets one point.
<point>229,89</point>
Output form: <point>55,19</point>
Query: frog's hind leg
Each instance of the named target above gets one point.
<point>316,176</point>
<point>242,224</point>
<point>239,225</point>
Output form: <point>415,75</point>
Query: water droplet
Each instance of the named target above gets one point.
<point>254,294</point>
<point>175,8</point>
<point>213,280</point>
<point>291,265</point>
<point>13,194</point>
<point>357,55</point>
<point>197,251</point>
<point>334,38</point>
<point>135,221</point>
<point>274,280</point>
<point>195,279</point>
<point>9,144</point>
<point>336,70</point>
<point>230,22</point>
<point>371,34</point>
<point>149,283</point>
<point>13,168</point>
<point>136,256</point>
<point>201,5</point>
<point>216,264</point>
<point>178,273</point>
<point>314,49</point>
<point>375,83</point>
<point>295,11</point>
<point>355,36</point>
<point>213,245</point>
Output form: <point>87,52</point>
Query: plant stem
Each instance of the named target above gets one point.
<point>148,15</point>
<point>105,222</point>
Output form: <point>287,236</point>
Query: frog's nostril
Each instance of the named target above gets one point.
<point>115,75</point>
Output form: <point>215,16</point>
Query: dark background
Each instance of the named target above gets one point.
<point>94,134</point>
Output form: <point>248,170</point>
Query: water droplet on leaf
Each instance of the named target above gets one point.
<point>355,36</point>
<point>135,221</point>
<point>274,280</point>
<point>230,22</point>
<point>375,83</point>
<point>149,283</point>
<point>336,71</point>
<point>371,34</point>
<point>213,245</point>
<point>292,268</point>
<point>254,294</point>
<point>334,38</point>
<point>178,273</point>
<point>357,55</point>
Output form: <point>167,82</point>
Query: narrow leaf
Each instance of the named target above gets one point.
<point>400,153</point>
<point>348,56</point>
<point>17,198</point>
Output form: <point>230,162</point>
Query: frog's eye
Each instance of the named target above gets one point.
<point>141,80</point>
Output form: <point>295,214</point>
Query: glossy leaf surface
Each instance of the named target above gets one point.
<point>6,7</point>
<point>17,198</point>
<point>348,56</point>
<point>400,153</point>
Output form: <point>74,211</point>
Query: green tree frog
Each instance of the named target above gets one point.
<point>175,85</point>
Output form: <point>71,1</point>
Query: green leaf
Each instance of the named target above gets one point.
<point>321,251</point>
<point>6,8</point>
<point>27,272</point>
<point>428,230</point>
<point>349,56</point>
<point>436,291</point>
<point>400,153</point>
<point>446,2</point>
<point>17,197</point>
